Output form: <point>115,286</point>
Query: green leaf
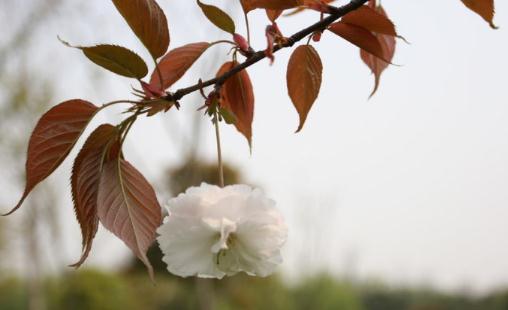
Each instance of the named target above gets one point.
<point>117,59</point>
<point>218,17</point>
<point>114,58</point>
<point>227,116</point>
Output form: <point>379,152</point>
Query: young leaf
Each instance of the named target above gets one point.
<point>117,59</point>
<point>377,65</point>
<point>304,76</point>
<point>484,8</point>
<point>174,65</point>
<point>218,17</point>
<point>369,19</point>
<point>157,106</point>
<point>148,22</point>
<point>52,139</point>
<point>360,37</point>
<point>237,95</point>
<point>128,207</point>
<point>86,173</point>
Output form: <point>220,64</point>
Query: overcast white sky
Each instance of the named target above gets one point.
<point>409,186</point>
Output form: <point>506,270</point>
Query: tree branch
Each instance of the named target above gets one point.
<point>260,55</point>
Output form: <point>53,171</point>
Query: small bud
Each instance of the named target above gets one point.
<point>270,39</point>
<point>151,92</point>
<point>273,36</point>
<point>241,42</point>
<point>316,37</point>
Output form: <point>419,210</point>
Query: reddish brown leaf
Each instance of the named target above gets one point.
<point>148,22</point>
<point>249,5</point>
<point>376,65</point>
<point>52,139</point>
<point>305,5</point>
<point>317,5</point>
<point>369,19</point>
<point>484,8</point>
<point>86,173</point>
<point>304,76</point>
<point>128,207</point>
<point>237,96</point>
<point>174,65</point>
<point>360,37</point>
<point>273,14</point>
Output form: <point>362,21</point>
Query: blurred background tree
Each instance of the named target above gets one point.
<point>22,99</point>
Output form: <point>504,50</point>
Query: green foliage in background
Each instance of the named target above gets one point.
<point>91,289</point>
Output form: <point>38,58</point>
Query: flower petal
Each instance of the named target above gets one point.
<point>186,245</point>
<point>213,232</point>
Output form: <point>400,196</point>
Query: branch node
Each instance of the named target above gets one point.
<point>290,42</point>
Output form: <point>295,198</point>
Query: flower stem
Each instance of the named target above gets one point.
<point>219,150</point>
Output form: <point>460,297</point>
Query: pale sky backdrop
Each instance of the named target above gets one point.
<point>410,186</point>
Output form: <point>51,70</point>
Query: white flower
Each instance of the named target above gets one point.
<point>211,232</point>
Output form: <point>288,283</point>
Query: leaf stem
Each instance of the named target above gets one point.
<point>219,149</point>
<point>117,102</point>
<point>222,41</point>
<point>127,129</point>
<point>159,73</point>
<point>126,125</point>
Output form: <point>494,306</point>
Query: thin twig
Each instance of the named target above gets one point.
<point>260,55</point>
